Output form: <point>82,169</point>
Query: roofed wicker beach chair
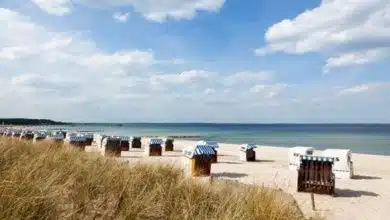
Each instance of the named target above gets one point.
<point>39,136</point>
<point>136,142</point>
<point>315,175</point>
<point>125,143</point>
<point>247,152</point>
<point>8,132</point>
<point>215,147</point>
<point>154,147</point>
<point>294,154</point>
<point>2,131</point>
<point>78,141</point>
<point>198,159</point>
<point>168,144</point>
<point>57,137</point>
<point>16,133</point>
<point>27,135</point>
<point>111,146</point>
<point>343,165</point>
<point>89,139</point>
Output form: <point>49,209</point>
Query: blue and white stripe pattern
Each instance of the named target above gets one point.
<point>199,149</point>
<point>246,147</point>
<point>157,141</point>
<point>213,144</point>
<point>204,150</point>
<point>124,138</point>
<point>70,135</point>
<point>39,135</point>
<point>26,132</point>
<point>56,136</point>
<point>88,135</point>
<point>78,138</point>
<point>318,158</point>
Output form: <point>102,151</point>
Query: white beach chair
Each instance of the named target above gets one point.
<point>343,165</point>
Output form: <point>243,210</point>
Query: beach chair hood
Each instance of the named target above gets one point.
<point>213,144</point>
<point>199,149</point>
<point>246,147</point>
<point>157,141</point>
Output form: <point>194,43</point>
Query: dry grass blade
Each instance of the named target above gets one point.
<point>49,181</point>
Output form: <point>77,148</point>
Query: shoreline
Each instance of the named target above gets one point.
<point>186,138</point>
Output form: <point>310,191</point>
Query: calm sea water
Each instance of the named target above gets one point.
<point>360,138</point>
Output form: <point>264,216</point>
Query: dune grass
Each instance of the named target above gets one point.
<point>49,181</point>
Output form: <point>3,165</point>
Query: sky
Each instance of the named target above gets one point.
<point>252,61</point>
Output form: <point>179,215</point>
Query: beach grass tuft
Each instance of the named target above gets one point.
<point>50,181</point>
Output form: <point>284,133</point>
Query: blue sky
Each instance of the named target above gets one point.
<point>195,60</point>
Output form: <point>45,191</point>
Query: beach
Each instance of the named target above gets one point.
<point>365,197</point>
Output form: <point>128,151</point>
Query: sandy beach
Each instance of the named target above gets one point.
<point>367,196</point>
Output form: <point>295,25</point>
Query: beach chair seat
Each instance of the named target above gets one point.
<point>111,146</point>
<point>315,175</point>
<point>136,142</point>
<point>247,152</point>
<point>154,147</point>
<point>125,143</point>
<point>168,144</point>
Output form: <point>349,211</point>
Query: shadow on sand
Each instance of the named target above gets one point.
<point>347,193</point>
<point>229,175</point>
<point>229,162</point>
<point>362,177</point>
<point>172,155</point>
<point>265,161</point>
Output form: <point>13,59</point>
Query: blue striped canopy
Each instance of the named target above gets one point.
<point>199,150</point>
<point>86,135</point>
<point>77,138</point>
<point>246,147</point>
<point>213,144</point>
<point>27,132</point>
<point>318,158</point>
<point>124,138</point>
<point>56,137</point>
<point>39,135</point>
<point>156,141</point>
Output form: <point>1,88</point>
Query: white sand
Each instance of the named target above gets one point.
<point>367,196</point>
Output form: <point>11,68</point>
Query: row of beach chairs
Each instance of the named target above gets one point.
<point>316,173</point>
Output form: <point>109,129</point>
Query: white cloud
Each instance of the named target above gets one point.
<point>247,77</point>
<point>185,77</point>
<point>99,60</point>
<point>268,91</point>
<point>357,58</point>
<point>121,17</point>
<point>62,66</point>
<point>209,91</point>
<point>352,32</point>
<point>54,7</point>
<point>153,10</point>
<point>363,88</point>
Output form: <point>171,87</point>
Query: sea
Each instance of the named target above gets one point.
<point>360,138</point>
